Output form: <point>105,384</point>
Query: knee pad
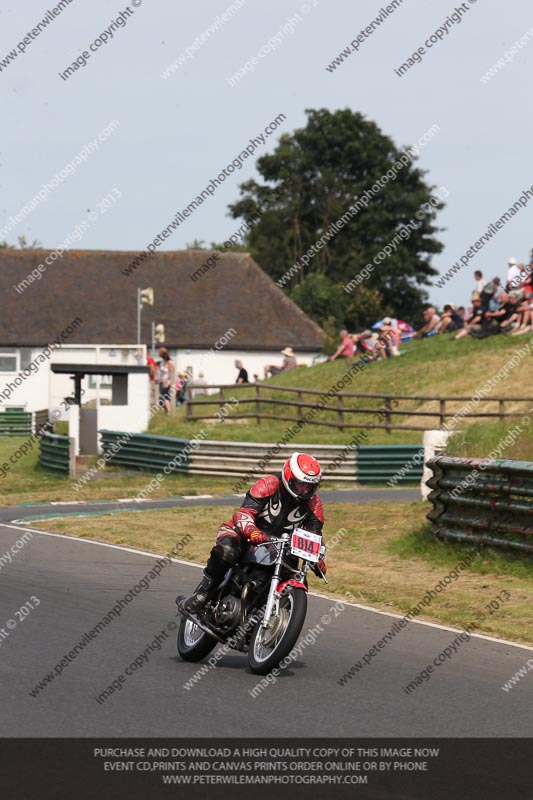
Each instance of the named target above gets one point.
<point>226,549</point>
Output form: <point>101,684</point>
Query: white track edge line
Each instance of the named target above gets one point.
<point>313,594</point>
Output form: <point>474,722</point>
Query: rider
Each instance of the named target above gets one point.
<point>275,504</point>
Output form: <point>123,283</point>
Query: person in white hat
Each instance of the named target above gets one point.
<point>289,362</point>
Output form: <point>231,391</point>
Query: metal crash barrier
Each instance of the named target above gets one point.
<point>483,501</point>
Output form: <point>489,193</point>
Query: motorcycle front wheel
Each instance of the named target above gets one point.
<point>193,643</point>
<point>269,646</point>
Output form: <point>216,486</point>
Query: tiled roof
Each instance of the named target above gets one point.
<point>235,294</point>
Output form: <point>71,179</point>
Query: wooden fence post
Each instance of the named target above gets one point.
<point>299,409</point>
<point>442,411</point>
<point>189,404</point>
<point>221,403</point>
<point>501,410</point>
<point>388,415</point>
<point>257,403</point>
<point>340,412</point>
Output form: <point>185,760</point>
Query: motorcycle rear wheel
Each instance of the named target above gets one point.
<point>193,643</point>
<point>270,646</point>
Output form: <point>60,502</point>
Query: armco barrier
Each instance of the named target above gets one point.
<point>251,459</point>
<point>15,423</point>
<point>146,451</point>
<point>56,454</point>
<point>483,501</point>
<point>241,459</point>
<point>381,463</point>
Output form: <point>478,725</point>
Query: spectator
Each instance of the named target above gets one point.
<point>524,317</point>
<point>431,320</point>
<point>450,320</point>
<point>474,318</point>
<point>385,344</point>
<point>462,312</point>
<point>242,377</point>
<point>364,344</point>
<point>480,283</point>
<point>181,388</point>
<point>491,295</point>
<point>513,273</point>
<point>289,362</point>
<point>504,316</point>
<point>167,370</point>
<point>346,348</point>
<point>153,367</point>
<point>396,335</point>
<point>198,385</point>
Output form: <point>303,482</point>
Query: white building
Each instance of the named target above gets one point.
<point>83,310</point>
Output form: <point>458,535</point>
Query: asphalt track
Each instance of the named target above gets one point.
<point>77,582</point>
<point>35,510</point>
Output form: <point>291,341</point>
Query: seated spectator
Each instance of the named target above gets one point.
<point>431,320</point>
<point>505,316</point>
<point>197,385</point>
<point>474,318</point>
<point>450,320</point>
<point>462,311</point>
<point>364,343</point>
<point>396,334</point>
<point>242,377</point>
<point>289,362</point>
<point>521,286</point>
<point>524,317</point>
<point>480,283</point>
<point>386,343</point>
<point>346,348</point>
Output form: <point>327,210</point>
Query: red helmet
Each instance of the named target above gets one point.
<point>301,476</point>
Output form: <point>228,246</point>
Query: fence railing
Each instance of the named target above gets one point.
<point>483,501</point>
<point>343,410</point>
<point>56,454</point>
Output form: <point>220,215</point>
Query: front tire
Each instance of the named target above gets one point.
<point>270,646</point>
<point>193,643</point>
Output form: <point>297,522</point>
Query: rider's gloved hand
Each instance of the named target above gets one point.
<point>256,537</point>
<point>321,564</point>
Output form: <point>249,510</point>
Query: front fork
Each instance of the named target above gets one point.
<point>272,592</point>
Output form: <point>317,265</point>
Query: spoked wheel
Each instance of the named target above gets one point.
<point>193,643</point>
<point>269,646</point>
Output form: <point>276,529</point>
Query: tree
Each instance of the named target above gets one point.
<point>22,243</point>
<point>311,180</point>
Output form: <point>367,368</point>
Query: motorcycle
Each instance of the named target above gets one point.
<point>259,607</point>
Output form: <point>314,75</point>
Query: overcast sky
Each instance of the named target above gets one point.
<point>174,135</point>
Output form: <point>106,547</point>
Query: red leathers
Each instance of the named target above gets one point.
<point>267,509</point>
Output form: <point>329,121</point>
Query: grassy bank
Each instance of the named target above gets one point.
<point>436,367</point>
<point>387,558</point>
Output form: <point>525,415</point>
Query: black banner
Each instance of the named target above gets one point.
<point>414,769</point>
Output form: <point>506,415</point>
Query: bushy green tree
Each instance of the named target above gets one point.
<point>310,180</point>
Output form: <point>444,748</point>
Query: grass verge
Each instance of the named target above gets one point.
<point>387,558</point>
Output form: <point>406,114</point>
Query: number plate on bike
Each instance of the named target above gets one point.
<point>305,544</point>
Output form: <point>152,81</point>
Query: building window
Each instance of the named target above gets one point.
<point>106,381</point>
<point>9,360</point>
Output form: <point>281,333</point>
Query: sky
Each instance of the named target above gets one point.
<point>171,136</point>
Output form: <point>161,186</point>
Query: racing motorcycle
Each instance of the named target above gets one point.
<point>259,607</point>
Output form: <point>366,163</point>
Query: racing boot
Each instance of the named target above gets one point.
<point>199,597</point>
